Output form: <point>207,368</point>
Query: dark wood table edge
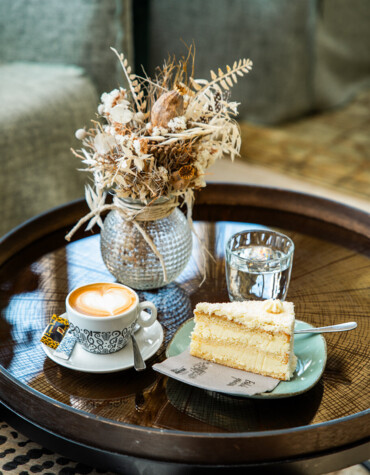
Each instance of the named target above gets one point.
<point>68,214</point>
<point>120,463</point>
<point>305,204</point>
<point>227,194</point>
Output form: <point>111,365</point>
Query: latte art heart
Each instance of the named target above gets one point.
<point>102,300</point>
<point>112,301</point>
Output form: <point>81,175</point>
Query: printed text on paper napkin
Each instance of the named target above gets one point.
<point>214,377</point>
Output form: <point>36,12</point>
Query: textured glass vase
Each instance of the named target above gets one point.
<point>131,260</point>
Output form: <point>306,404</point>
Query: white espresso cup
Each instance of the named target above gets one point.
<point>102,315</point>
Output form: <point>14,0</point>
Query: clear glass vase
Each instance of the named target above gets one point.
<point>131,260</point>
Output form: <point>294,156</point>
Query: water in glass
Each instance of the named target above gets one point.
<point>258,273</point>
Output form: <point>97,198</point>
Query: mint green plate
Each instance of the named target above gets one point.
<point>310,350</point>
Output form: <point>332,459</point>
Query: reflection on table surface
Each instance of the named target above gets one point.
<point>328,286</point>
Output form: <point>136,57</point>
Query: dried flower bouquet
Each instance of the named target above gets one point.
<point>156,138</point>
<point>161,135</point>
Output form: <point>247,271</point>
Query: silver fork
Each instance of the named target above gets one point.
<point>341,327</point>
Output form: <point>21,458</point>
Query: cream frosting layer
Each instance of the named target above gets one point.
<point>252,314</point>
<point>226,332</point>
<point>246,358</point>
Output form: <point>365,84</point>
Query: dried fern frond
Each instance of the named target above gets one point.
<point>131,78</point>
<point>226,80</point>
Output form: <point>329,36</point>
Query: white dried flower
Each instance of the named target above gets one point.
<point>177,124</point>
<point>109,100</point>
<point>139,116</point>
<point>137,146</point>
<point>121,114</point>
<point>108,129</point>
<point>108,97</point>
<point>104,143</point>
<point>80,134</point>
<point>159,131</point>
<point>121,139</point>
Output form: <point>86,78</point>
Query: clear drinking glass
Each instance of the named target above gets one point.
<point>258,265</point>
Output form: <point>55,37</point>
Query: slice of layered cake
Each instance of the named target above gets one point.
<point>256,336</point>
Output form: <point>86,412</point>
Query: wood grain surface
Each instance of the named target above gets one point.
<point>124,411</point>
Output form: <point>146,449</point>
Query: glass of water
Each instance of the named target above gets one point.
<point>258,265</point>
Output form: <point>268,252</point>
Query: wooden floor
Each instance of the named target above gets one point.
<point>354,470</point>
<point>331,148</point>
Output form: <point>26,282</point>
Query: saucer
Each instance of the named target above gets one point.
<point>149,340</point>
<point>309,348</point>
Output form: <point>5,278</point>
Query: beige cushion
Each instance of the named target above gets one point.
<point>41,107</point>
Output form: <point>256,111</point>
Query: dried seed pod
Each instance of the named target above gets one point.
<point>169,105</point>
<point>182,178</point>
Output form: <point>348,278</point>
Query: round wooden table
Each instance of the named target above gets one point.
<point>129,422</point>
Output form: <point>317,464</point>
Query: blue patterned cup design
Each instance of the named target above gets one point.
<point>108,334</point>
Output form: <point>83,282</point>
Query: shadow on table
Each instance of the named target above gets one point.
<point>235,414</point>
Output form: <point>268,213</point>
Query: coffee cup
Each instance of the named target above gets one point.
<point>102,315</point>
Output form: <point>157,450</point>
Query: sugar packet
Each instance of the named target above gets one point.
<point>58,337</point>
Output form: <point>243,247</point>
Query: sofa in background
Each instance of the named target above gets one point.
<point>55,61</point>
<point>304,108</point>
<point>308,55</point>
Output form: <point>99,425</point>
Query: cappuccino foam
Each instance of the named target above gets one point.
<point>102,299</point>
